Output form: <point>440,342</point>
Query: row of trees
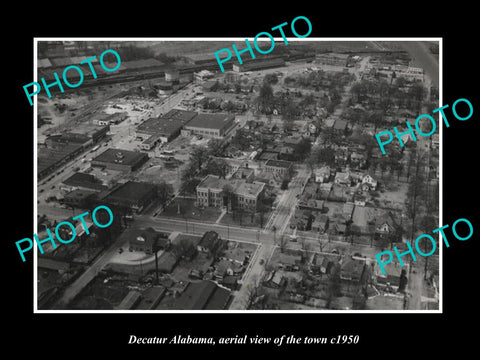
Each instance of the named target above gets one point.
<point>388,94</point>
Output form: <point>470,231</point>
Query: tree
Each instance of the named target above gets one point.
<point>182,248</point>
<point>282,243</point>
<point>403,281</point>
<point>217,167</point>
<point>215,146</point>
<point>376,118</point>
<point>227,192</point>
<point>302,149</point>
<point>262,208</point>
<point>198,156</point>
<point>270,79</point>
<point>164,192</point>
<point>265,99</point>
<point>333,287</point>
<point>323,156</point>
<point>290,110</point>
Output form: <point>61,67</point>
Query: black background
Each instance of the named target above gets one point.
<point>66,335</point>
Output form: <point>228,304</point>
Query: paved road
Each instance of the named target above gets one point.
<point>286,206</point>
<point>89,274</point>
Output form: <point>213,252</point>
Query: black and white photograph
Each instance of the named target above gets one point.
<point>247,186</point>
<point>196,180</point>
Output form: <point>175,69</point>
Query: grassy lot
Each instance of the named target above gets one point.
<point>189,211</point>
<point>237,219</point>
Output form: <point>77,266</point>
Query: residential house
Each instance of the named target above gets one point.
<point>275,279</point>
<point>360,200</point>
<point>210,243</point>
<point>236,255</point>
<point>435,141</point>
<point>322,264</point>
<point>357,159</point>
<point>322,174</point>
<point>312,129</point>
<point>289,262</point>
<point>226,267</point>
<point>352,270</point>
<point>340,126</point>
<point>369,183</point>
<point>342,178</point>
<point>392,275</point>
<point>231,282</point>
<point>385,224</point>
<point>148,240</point>
<point>341,156</point>
<point>320,223</point>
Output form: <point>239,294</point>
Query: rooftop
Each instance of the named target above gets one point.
<point>239,186</point>
<point>279,163</point>
<point>211,121</point>
<point>84,180</point>
<point>125,157</point>
<point>132,190</point>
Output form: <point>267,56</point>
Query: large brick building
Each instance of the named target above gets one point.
<point>212,191</point>
<point>211,125</point>
<point>120,160</point>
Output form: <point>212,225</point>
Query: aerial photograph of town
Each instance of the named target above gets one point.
<point>258,188</point>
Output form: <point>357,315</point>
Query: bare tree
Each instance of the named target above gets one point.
<point>252,291</point>
<point>282,243</point>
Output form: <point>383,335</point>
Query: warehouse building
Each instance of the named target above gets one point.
<point>210,125</point>
<point>163,128</point>
<point>255,65</point>
<point>51,158</point>
<point>120,160</point>
<point>132,195</point>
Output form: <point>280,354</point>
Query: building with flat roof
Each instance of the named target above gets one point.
<point>132,194</point>
<point>164,128</point>
<point>211,125</point>
<point>279,167</point>
<point>254,65</point>
<point>120,160</point>
<point>243,194</point>
<point>81,180</point>
<point>203,295</point>
<point>51,158</point>
<point>335,59</point>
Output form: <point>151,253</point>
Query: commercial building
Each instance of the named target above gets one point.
<point>84,181</point>
<point>210,125</point>
<point>279,167</point>
<point>133,195</point>
<point>51,158</point>
<point>164,128</point>
<point>242,194</point>
<point>109,119</point>
<point>257,64</point>
<point>120,160</point>
<point>333,59</point>
<point>61,148</point>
